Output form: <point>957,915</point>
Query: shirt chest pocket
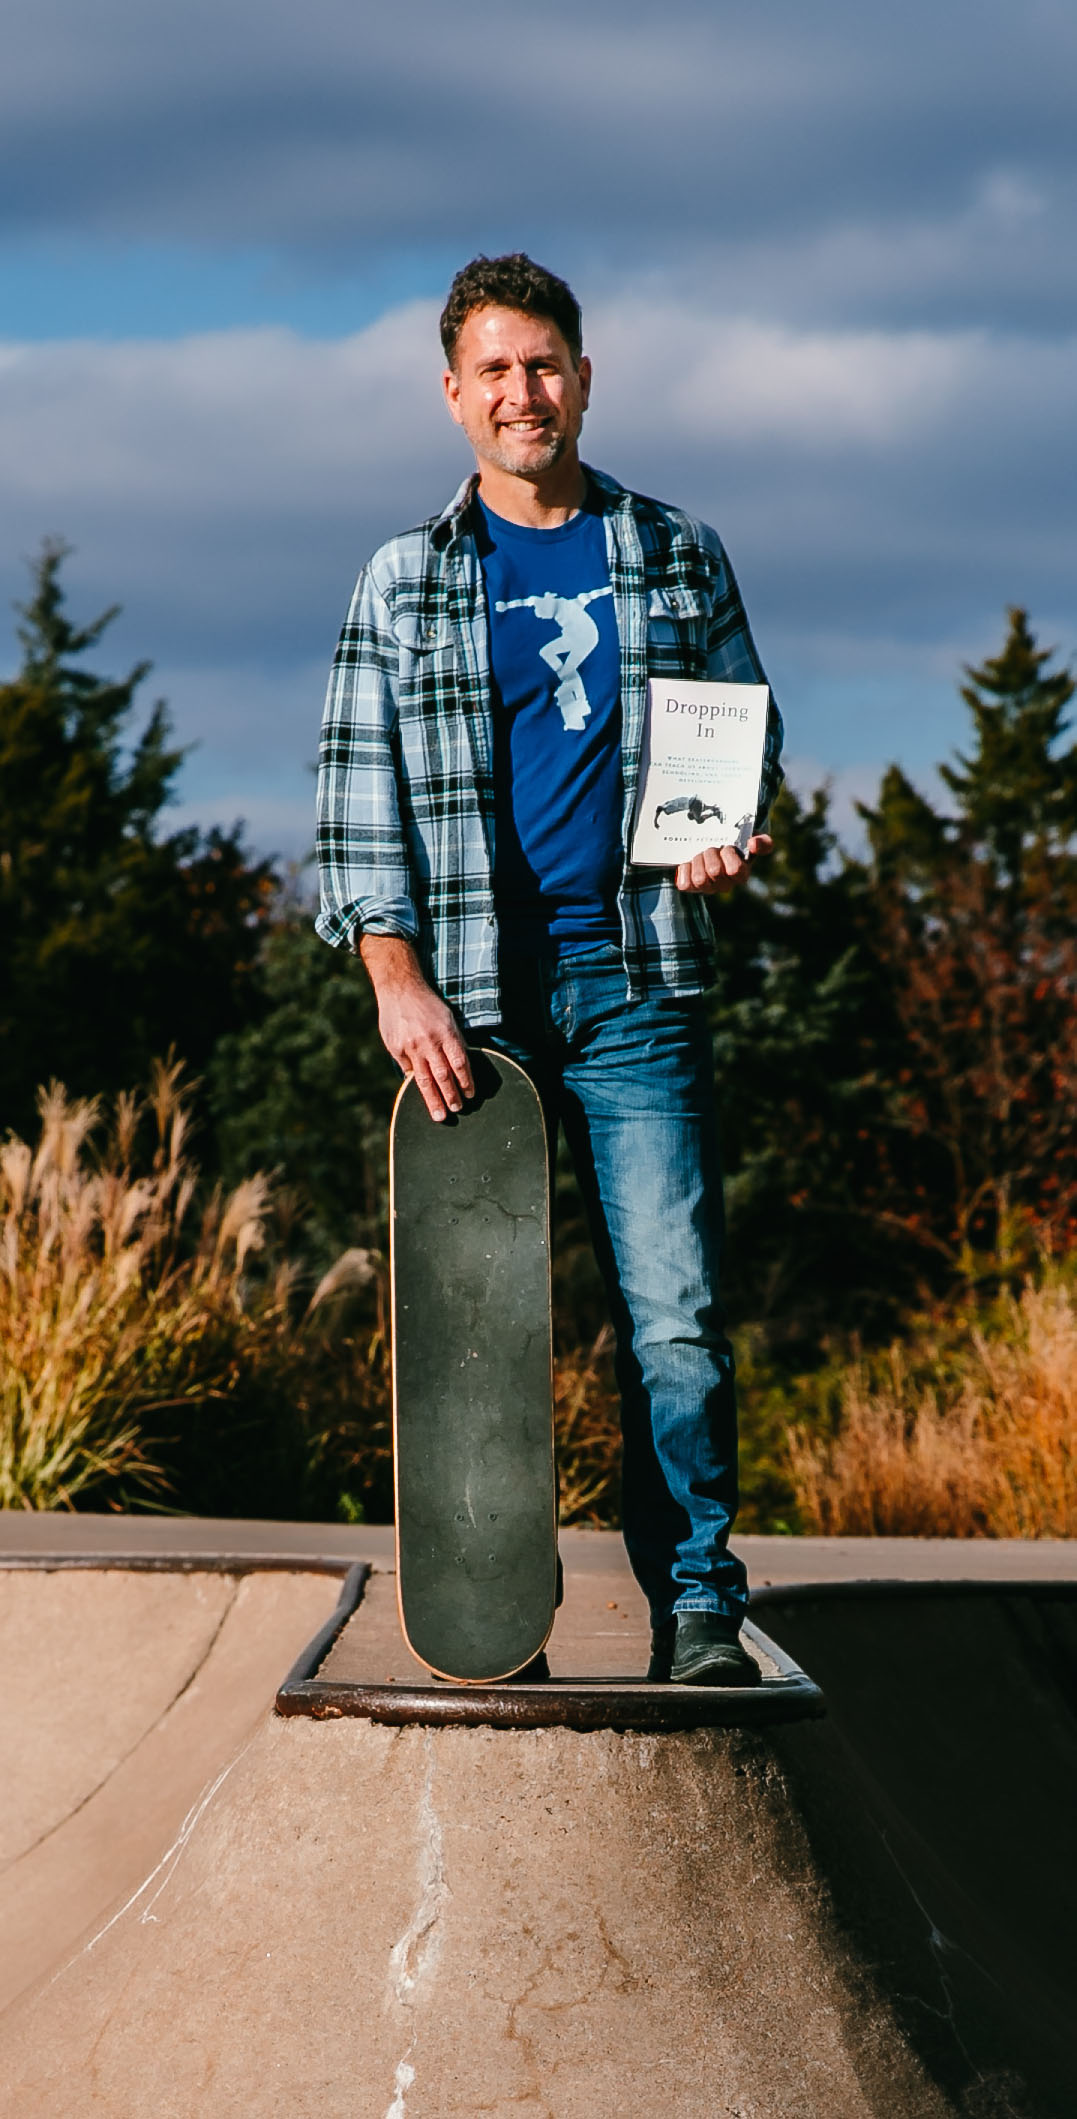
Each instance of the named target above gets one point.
<point>676,633</point>
<point>426,663</point>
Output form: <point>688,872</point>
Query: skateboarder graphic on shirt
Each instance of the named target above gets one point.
<point>573,644</point>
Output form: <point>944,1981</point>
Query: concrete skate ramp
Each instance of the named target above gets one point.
<point>378,1923</point>
<point>940,1803</point>
<point>369,1922</point>
<point>124,1691</point>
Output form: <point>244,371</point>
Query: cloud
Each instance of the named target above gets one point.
<point>879,148</point>
<point>884,495</point>
<point>216,476</point>
<point>746,382</point>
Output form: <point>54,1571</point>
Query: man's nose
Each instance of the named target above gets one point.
<point>523,387</point>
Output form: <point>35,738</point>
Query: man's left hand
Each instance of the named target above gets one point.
<point>720,868</point>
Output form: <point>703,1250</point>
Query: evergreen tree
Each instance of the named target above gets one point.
<point>908,840</point>
<point>114,943</point>
<point>1016,790</point>
<point>972,926</point>
<point>801,1016</point>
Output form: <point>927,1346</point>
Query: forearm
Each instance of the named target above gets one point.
<point>391,964</point>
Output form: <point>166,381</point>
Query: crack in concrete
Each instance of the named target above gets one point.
<point>118,1764</point>
<point>413,1958</point>
<point>615,1970</point>
<point>418,1949</point>
<point>405,2076</point>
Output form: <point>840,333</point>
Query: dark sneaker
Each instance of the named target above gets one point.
<point>661,1662</point>
<point>708,1652</point>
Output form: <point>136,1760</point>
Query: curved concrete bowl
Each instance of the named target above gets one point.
<point>420,1920</point>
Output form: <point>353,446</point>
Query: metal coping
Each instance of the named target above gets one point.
<point>596,1703</point>
<point>181,1563</point>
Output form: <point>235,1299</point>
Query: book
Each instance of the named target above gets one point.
<point>700,769</point>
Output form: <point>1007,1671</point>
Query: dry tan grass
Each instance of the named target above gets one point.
<point>994,1455</point>
<point>120,1300</point>
<point>127,1307</point>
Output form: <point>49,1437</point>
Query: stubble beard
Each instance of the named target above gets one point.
<point>536,462</point>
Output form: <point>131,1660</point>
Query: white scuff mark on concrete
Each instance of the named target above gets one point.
<point>165,1868</point>
<point>940,1946</point>
<point>414,1957</point>
<point>405,2076</point>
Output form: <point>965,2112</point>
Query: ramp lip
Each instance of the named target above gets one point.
<point>592,1703</point>
<point>582,1704</point>
<point>313,1655</point>
<point>181,1563</point>
<point>596,1704</point>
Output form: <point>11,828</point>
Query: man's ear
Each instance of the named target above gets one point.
<point>584,373</point>
<point>450,384</point>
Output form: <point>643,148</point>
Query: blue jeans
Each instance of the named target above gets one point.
<point>632,1083</point>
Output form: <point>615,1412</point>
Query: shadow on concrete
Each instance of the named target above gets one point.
<point>939,1799</point>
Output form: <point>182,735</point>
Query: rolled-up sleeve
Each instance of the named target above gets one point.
<point>734,659</point>
<point>363,870</point>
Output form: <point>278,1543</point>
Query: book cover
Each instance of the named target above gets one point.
<point>700,769</point>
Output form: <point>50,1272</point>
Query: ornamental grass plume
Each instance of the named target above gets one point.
<point>119,1299</point>
<point>992,1452</point>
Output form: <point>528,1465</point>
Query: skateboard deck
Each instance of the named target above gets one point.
<point>476,1493</point>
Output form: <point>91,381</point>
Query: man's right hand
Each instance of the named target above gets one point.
<point>418,1031</point>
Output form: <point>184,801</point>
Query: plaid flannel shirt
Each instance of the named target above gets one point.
<point>405,785</point>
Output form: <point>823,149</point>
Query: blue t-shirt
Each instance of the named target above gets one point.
<point>555,661</point>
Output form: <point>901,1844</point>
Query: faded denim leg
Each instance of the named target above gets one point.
<point>632,1083</point>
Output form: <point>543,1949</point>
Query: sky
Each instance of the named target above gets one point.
<point>827,265</point>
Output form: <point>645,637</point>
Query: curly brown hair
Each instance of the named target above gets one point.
<point>512,282</point>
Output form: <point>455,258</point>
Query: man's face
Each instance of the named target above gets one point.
<point>516,391</point>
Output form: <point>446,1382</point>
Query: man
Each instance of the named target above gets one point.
<point>480,752</point>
